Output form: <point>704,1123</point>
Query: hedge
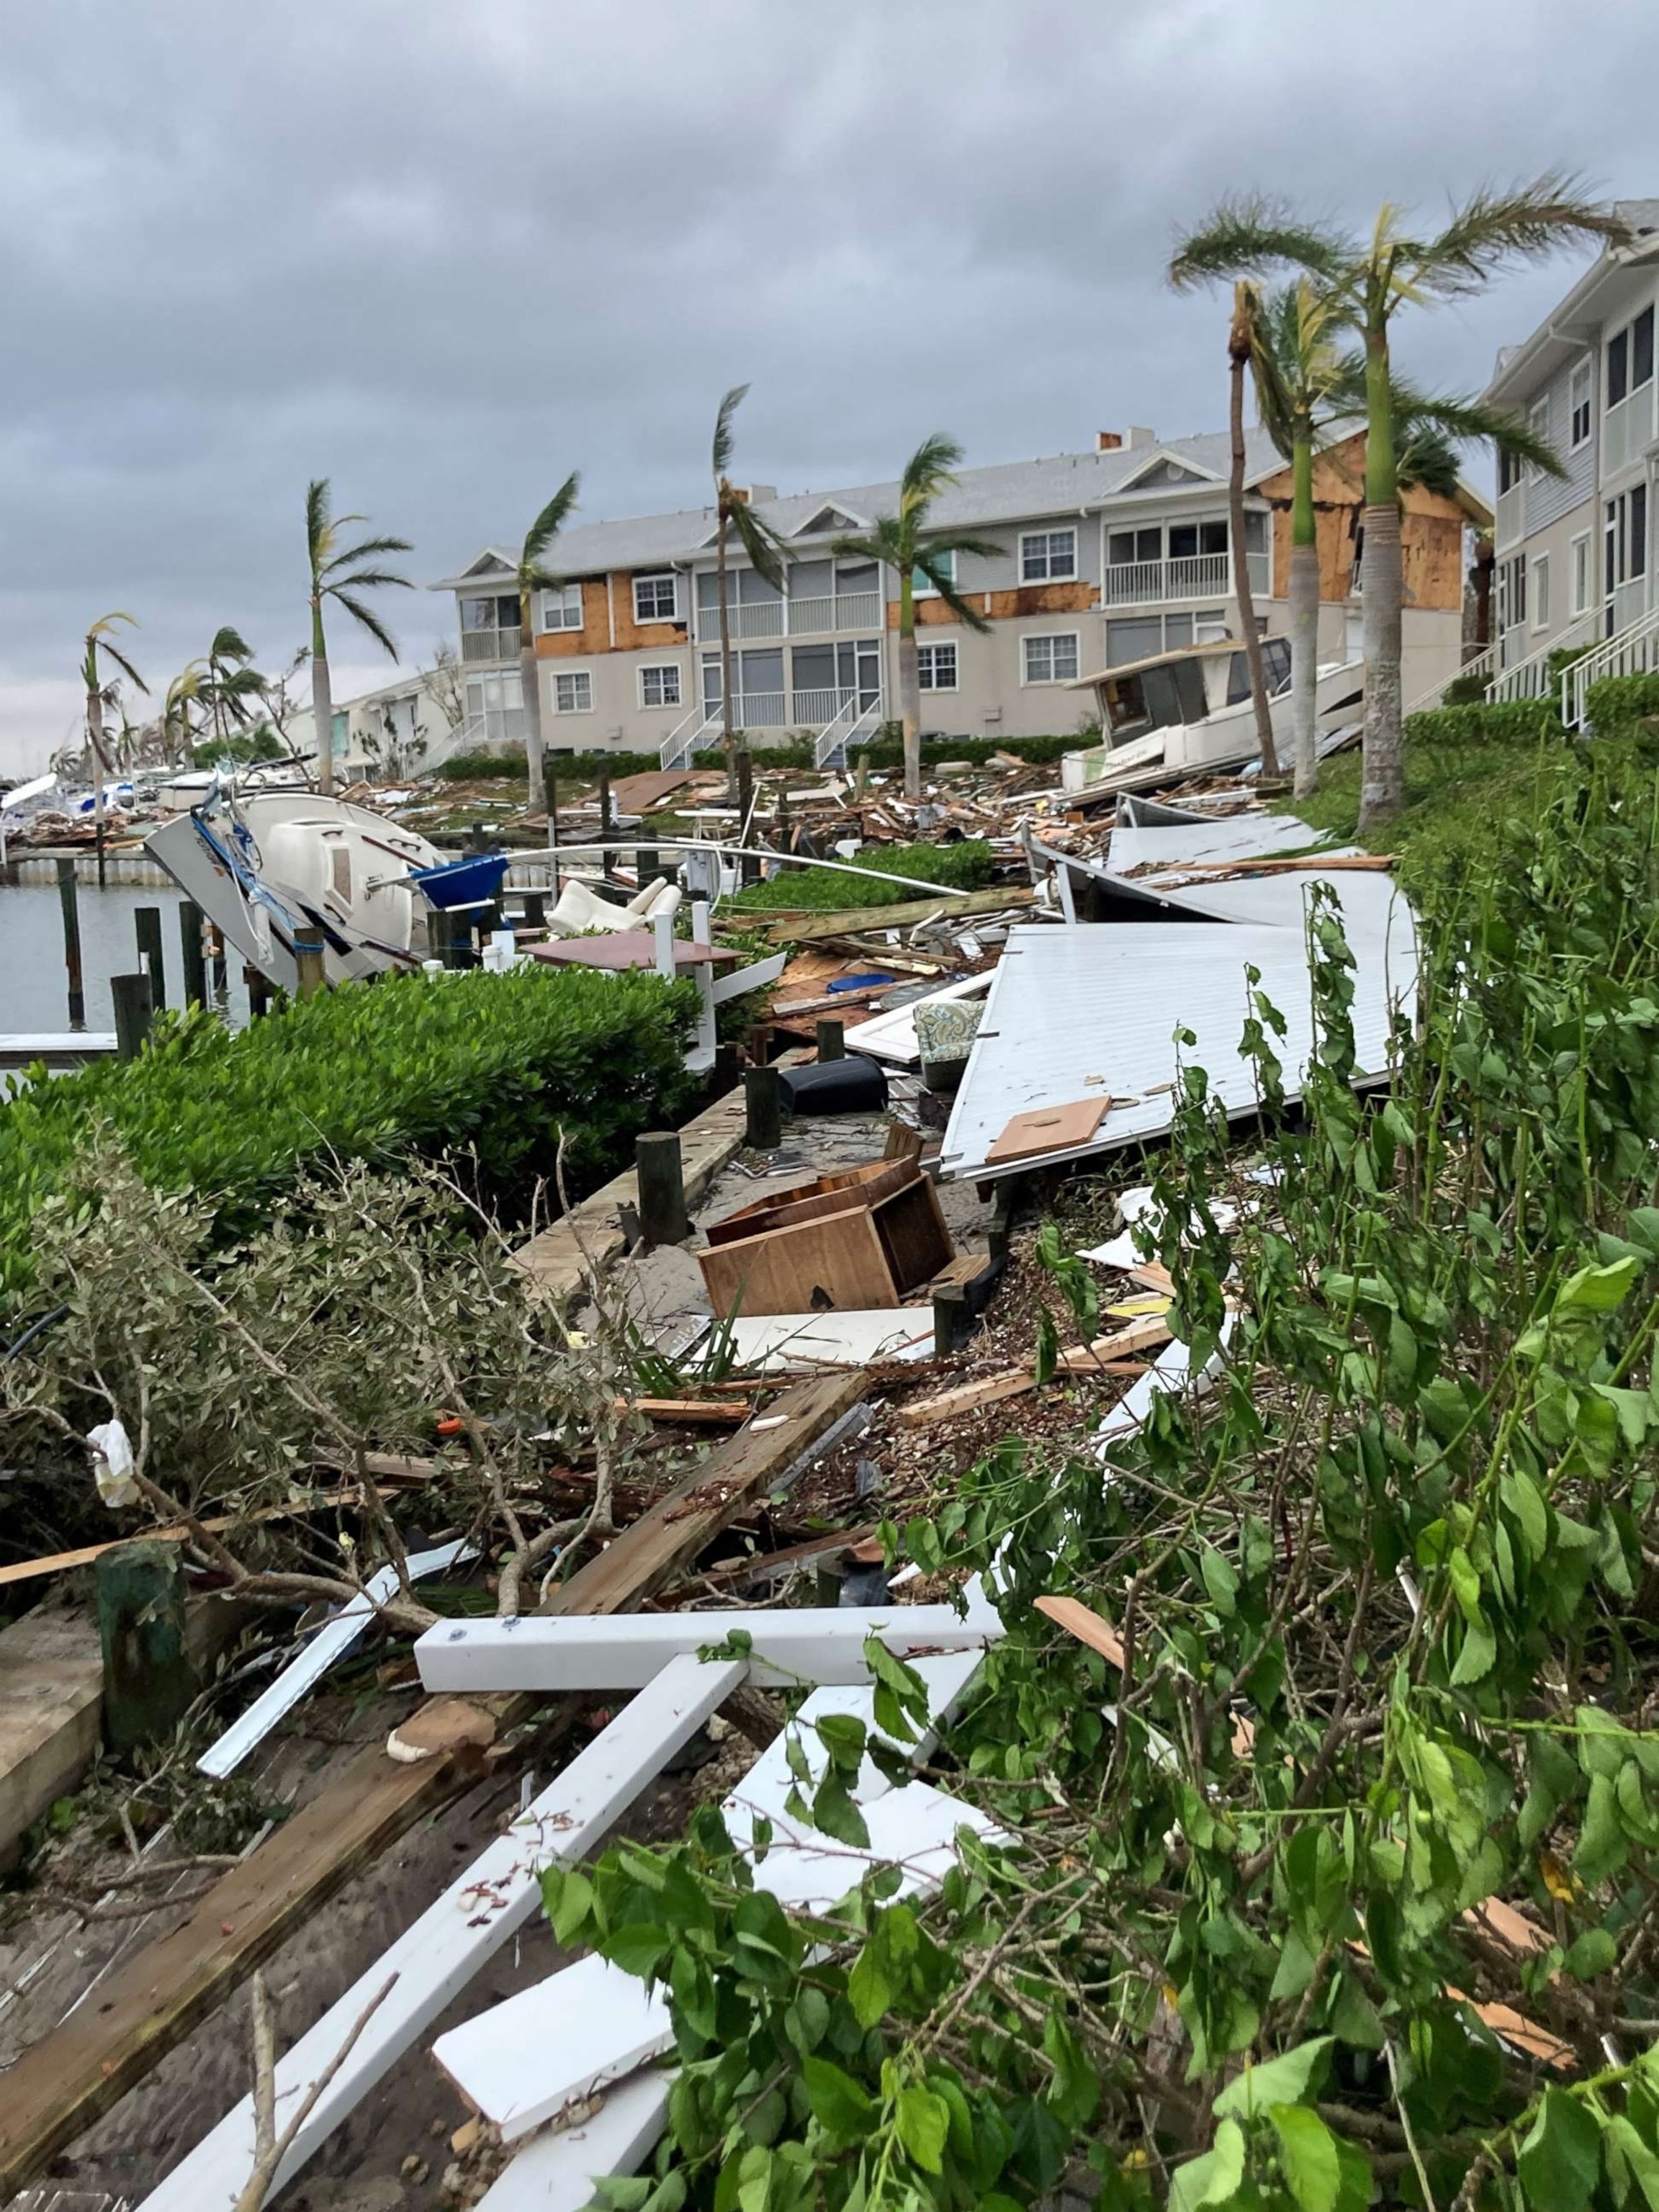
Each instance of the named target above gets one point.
<point>886,753</point>
<point>1615,705</point>
<point>1493,722</point>
<point>494,1064</point>
<point>963,867</point>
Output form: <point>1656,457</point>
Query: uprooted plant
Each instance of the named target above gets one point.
<point>1344,1884</point>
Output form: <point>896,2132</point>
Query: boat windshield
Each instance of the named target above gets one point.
<point>1155,699</point>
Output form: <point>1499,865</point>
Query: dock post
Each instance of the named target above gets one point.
<point>147,921</point>
<point>308,959</point>
<point>551,789</point>
<point>69,899</point>
<point>218,963</point>
<point>661,1182</point>
<point>749,867</point>
<point>258,992</point>
<point>762,1099</point>
<point>662,928</point>
<point>609,860</point>
<point>190,936</point>
<point>535,909</point>
<point>133,1009</point>
<point>832,1041</point>
<point>148,1681</point>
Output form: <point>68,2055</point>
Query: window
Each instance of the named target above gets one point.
<point>1579,556</point>
<point>1131,638</point>
<point>1048,556</point>
<point>572,692</point>
<point>1578,402</point>
<point>495,709</point>
<point>1508,470</point>
<point>339,739</point>
<point>1255,533</point>
<point>500,613</point>
<point>1626,537</point>
<point>1512,593</point>
<point>945,563</point>
<point>936,667</point>
<point>1209,624</point>
<point>562,607</point>
<point>1630,358</point>
<point>1051,660</point>
<point>656,598</point>
<point>1126,546</point>
<point>1538,421</point>
<point>1540,591</point>
<point>660,687</point>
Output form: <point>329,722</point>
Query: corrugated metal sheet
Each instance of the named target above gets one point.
<point>1069,1005</point>
<point>1374,909</point>
<point>1177,845</point>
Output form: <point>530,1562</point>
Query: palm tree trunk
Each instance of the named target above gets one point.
<point>322,701</point>
<point>909,686</point>
<point>728,730</point>
<point>1303,588</point>
<point>530,684</point>
<point>100,765</point>
<point>1383,777</point>
<point>1239,355</point>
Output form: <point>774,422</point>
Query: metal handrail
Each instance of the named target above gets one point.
<point>1479,664</point>
<point>1634,643</point>
<point>1519,680</point>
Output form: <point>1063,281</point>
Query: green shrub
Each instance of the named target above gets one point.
<point>1615,705</point>
<point>1497,722</point>
<point>886,753</point>
<point>1464,691</point>
<point>965,867</point>
<point>496,1065</point>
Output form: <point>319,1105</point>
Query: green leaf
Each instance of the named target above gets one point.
<point>1602,1848</point>
<point>868,1989</point>
<point>924,2122</point>
<point>1048,1346</point>
<point>568,1896</point>
<point>837,1814</point>
<point>1219,1580</point>
<point>1559,2162</point>
<point>637,1949</point>
<point>1597,1289</point>
<point>1214,2177</point>
<point>1621,2139</point>
<point>1592,1955</point>
<point>838,2103</point>
<point>1307,2151</point>
<point>1281,2081</point>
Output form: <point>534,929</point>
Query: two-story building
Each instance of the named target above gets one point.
<point>1101,557</point>
<point>1574,556</point>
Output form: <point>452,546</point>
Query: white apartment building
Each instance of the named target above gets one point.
<point>1101,557</point>
<point>1575,557</point>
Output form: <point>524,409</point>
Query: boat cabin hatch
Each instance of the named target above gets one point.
<point>1171,690</point>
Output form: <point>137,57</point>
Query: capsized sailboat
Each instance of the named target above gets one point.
<point>271,867</point>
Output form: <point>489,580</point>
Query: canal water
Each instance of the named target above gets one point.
<point>33,986</point>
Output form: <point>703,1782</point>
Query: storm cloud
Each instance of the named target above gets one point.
<point>445,254</point>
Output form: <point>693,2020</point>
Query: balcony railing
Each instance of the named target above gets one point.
<point>816,709</point>
<point>1626,428</point>
<point>490,644</point>
<point>1510,520</point>
<point>754,710</point>
<point>1193,576</point>
<point>802,617</point>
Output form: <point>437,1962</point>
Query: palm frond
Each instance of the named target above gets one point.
<point>760,542</point>
<point>1495,226</point>
<point>113,653</point>
<point>546,527</point>
<point>1248,235</point>
<point>1300,378</point>
<point>370,549</point>
<point>929,470</point>
<point>367,579</point>
<point>230,644</point>
<point>319,527</point>
<point>884,543</point>
<point>945,584</point>
<point>959,541</point>
<point>539,579</point>
<point>106,623</point>
<point>1424,456</point>
<point>1469,421</point>
<point>729,406</point>
<point>368,619</point>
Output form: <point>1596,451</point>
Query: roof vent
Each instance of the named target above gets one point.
<point>752,495</point>
<point>1140,435</point>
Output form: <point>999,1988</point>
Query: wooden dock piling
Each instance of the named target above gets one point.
<point>69,901</point>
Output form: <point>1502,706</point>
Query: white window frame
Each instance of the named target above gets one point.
<point>660,668</point>
<point>933,649</point>
<point>654,577</point>
<point>922,589</point>
<point>573,675</point>
<point>1581,569</point>
<point>1538,592</point>
<point>559,603</point>
<point>1051,638</point>
<point>1048,575</point>
<point>1583,373</point>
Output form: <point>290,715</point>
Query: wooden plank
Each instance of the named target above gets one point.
<point>1050,1129</point>
<point>808,928</point>
<point>151,2003</point>
<point>694,1412</point>
<point>1107,1355</point>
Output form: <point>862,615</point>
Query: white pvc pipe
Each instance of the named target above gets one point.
<point>564,852</point>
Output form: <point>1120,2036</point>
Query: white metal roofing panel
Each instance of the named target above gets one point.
<point>1374,908</point>
<point>1067,1005</point>
<point>1237,837</point>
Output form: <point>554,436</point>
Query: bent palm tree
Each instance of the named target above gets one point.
<point>177,738</point>
<point>99,695</point>
<point>230,681</point>
<point>1373,278</point>
<point>897,541</point>
<point>533,576</point>
<point>329,579</point>
<point>758,540</point>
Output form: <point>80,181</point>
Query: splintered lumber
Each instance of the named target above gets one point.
<point>805,929</point>
<point>694,1412</point>
<point>150,2003</point>
<point>1107,1355</point>
<point>1325,864</point>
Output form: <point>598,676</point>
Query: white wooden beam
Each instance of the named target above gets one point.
<point>624,1652</point>
<point>435,1957</point>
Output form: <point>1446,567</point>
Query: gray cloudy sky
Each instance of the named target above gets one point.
<point>444,253</point>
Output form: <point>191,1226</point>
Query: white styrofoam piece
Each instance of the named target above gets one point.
<point>331,1642</point>
<point>893,1035</point>
<point>812,1643</point>
<point>556,2172</point>
<point>536,2054</point>
<point>1236,837</point>
<point>435,1957</point>
<point>854,1338</point>
<point>1069,1004</point>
